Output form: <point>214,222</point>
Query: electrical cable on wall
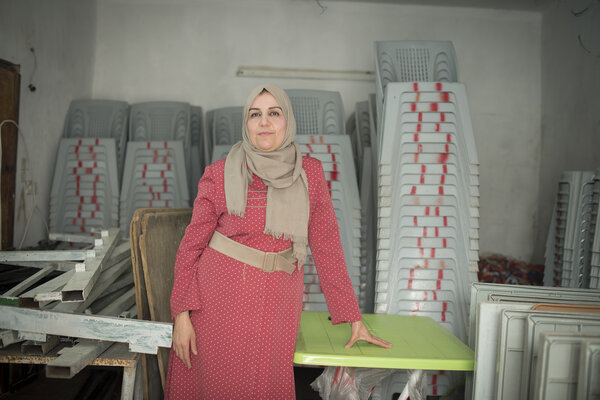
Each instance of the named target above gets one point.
<point>29,181</point>
<point>31,86</point>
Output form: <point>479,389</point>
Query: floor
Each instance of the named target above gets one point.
<point>102,384</point>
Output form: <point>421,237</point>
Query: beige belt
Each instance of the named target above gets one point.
<point>267,261</point>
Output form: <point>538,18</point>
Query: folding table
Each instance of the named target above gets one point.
<point>419,343</point>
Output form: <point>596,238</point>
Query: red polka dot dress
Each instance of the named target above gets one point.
<point>247,320</point>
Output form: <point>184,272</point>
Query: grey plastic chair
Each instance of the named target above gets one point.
<point>198,162</point>
<point>85,189</point>
<point>162,120</point>
<point>317,112</point>
<point>227,125</point>
<point>99,119</point>
<point>412,61</point>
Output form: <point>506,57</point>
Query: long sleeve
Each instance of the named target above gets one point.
<point>185,295</point>
<point>326,247</point>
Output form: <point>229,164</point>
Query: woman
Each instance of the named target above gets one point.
<point>237,296</point>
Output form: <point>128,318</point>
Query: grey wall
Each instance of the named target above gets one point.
<point>190,50</point>
<point>570,108</point>
<point>62,32</point>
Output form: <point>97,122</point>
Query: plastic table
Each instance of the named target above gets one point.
<point>420,344</point>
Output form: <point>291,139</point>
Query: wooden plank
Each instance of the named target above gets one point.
<point>45,255</point>
<point>151,374</point>
<point>21,287</point>
<point>74,359</point>
<point>82,282</point>
<point>159,242</point>
<point>10,84</point>
<point>142,336</point>
<point>117,355</point>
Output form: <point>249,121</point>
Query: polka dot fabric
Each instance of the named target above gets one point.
<point>246,320</point>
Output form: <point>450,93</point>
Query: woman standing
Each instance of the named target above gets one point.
<point>237,297</point>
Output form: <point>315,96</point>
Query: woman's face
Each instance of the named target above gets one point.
<point>266,124</point>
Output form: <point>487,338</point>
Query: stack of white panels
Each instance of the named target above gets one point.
<point>504,330</point>
<point>85,189</point>
<point>335,153</point>
<point>99,119</point>
<point>155,176</point>
<point>571,235</point>
<point>427,240</point>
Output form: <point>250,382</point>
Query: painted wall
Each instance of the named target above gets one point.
<point>191,50</point>
<point>62,35</point>
<point>571,108</point>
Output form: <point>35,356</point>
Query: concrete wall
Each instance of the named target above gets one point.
<point>62,34</point>
<point>190,50</point>
<point>571,108</point>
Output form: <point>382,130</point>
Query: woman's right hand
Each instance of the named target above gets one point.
<point>184,338</point>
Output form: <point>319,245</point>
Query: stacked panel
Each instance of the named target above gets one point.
<point>571,238</point>
<point>335,153</point>
<point>428,197</point>
<point>155,176</point>
<point>85,188</point>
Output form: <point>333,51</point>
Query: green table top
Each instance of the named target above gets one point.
<point>419,343</point>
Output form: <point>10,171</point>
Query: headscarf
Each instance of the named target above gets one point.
<point>281,170</point>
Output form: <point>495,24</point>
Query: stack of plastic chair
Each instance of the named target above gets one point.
<point>594,282</point>
<point>85,188</point>
<point>367,198</point>
<point>158,160</point>
<point>428,196</point>
<point>164,121</point>
<point>412,61</point>
<point>155,177</point>
<point>427,203</point>
<point>99,119</point>
<point>335,153</point>
<point>317,112</point>
<point>208,143</point>
<point>571,238</point>
<point>198,162</point>
<point>226,130</point>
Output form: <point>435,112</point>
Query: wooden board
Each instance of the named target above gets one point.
<point>161,234</point>
<point>152,383</point>
<point>10,84</point>
<point>150,374</point>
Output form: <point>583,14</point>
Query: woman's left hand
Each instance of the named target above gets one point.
<point>360,332</point>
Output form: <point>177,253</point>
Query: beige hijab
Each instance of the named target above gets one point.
<point>281,170</point>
